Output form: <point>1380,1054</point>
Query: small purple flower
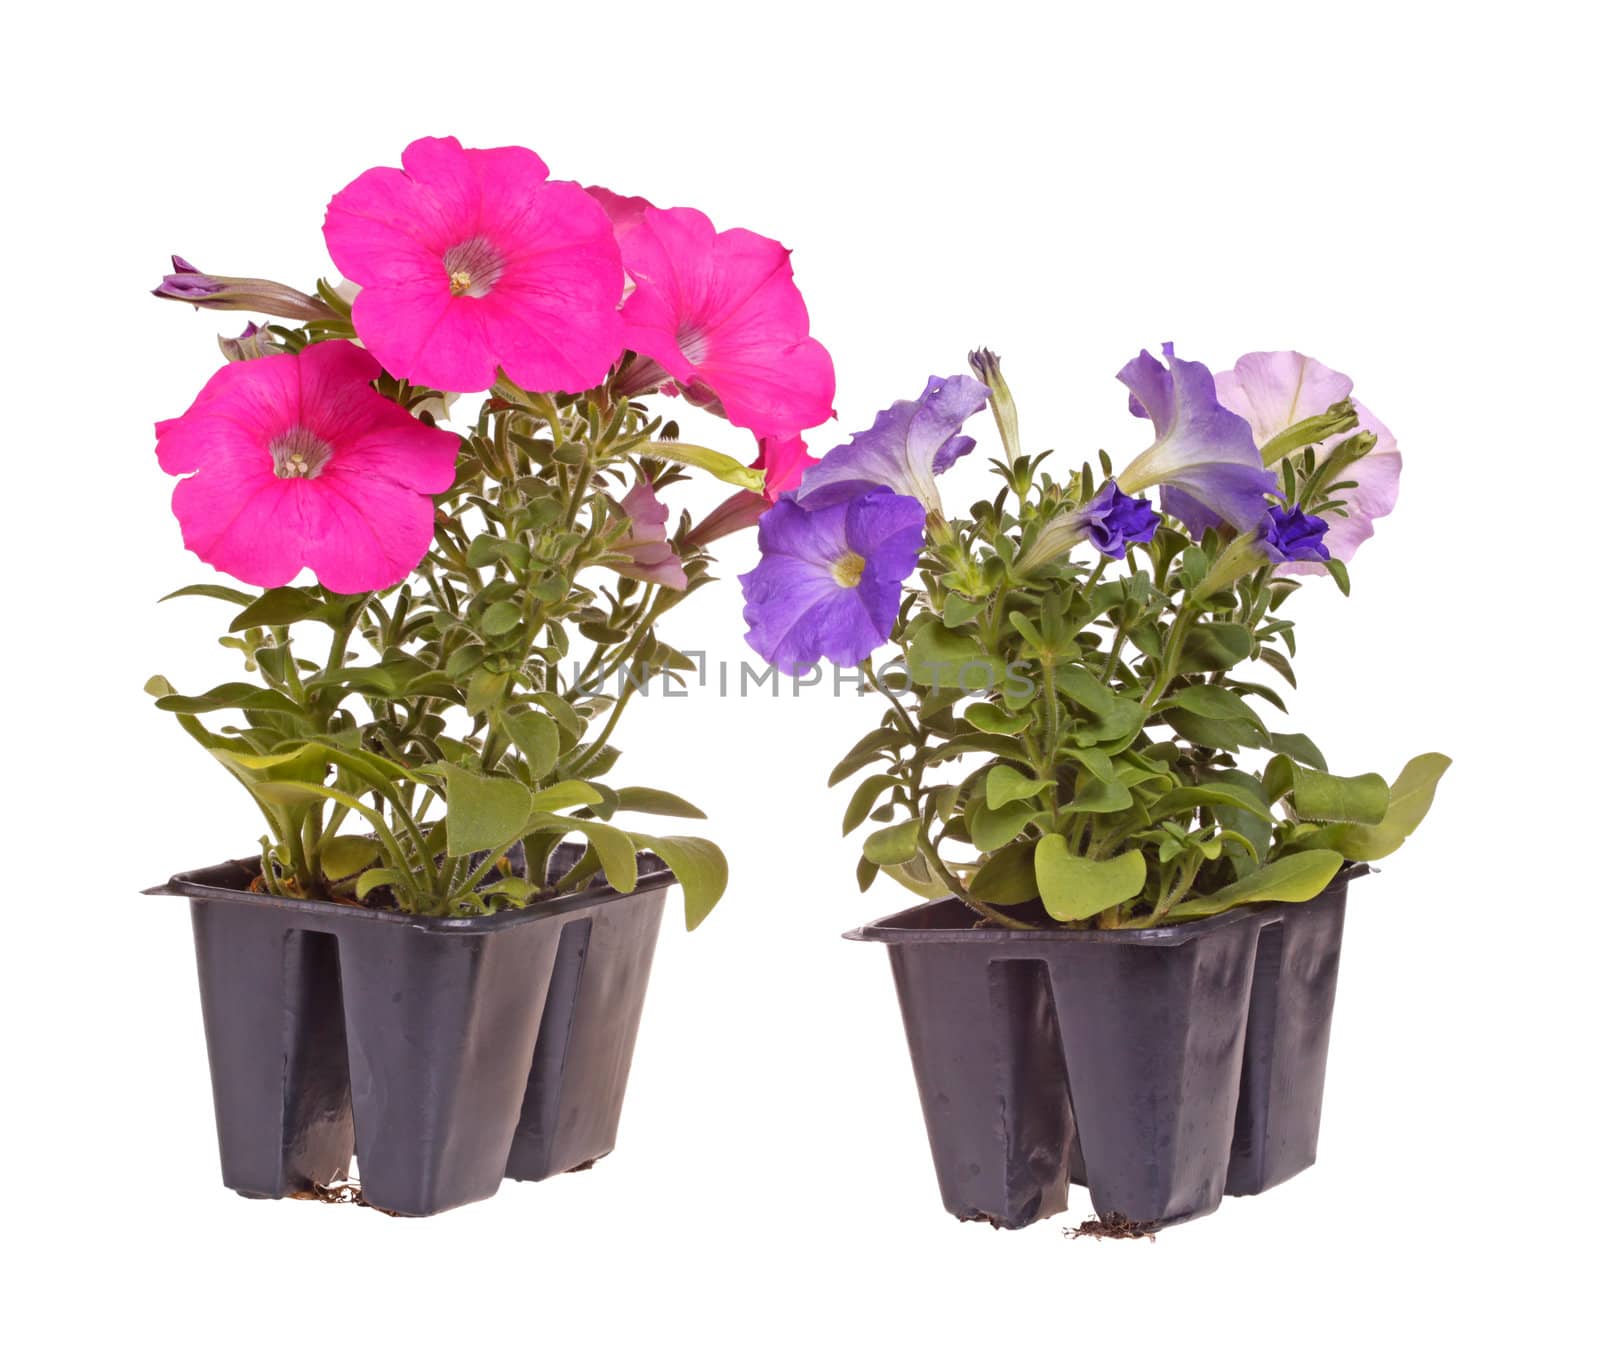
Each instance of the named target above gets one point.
<point>908,445</point>
<point>1292,536</point>
<point>1114,519</point>
<point>188,283</point>
<point>1204,458</point>
<point>828,583</point>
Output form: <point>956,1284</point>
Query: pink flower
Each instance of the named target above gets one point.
<point>470,260</point>
<point>1272,390</point>
<point>297,461</point>
<point>784,460</point>
<point>721,315</point>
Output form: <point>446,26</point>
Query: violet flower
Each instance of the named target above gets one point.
<point>908,445</point>
<point>828,583</point>
<point>1113,519</point>
<point>1292,536</point>
<point>188,283</point>
<point>1204,458</point>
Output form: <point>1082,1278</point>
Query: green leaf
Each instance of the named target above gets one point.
<point>942,659</point>
<point>700,868</point>
<point>1410,796</point>
<point>1325,798</point>
<point>864,798</point>
<point>483,814</point>
<point>498,619</point>
<point>916,877</point>
<point>565,795</point>
<point>1207,699</point>
<point>992,829</point>
<point>1074,888</point>
<point>1299,748</point>
<point>1007,876</point>
<point>345,855</point>
<point>1213,646</point>
<point>618,851</point>
<point>1291,879</point>
<point>1188,798</point>
<point>648,800</point>
<point>1214,734</point>
<point>995,720</point>
<point>536,736</point>
<point>211,592</point>
<point>1094,796</point>
<point>1005,784</point>
<point>279,608</point>
<point>245,696</point>
<point>893,845</point>
<point>368,881</point>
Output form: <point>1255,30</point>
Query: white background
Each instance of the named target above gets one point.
<point>1401,190</point>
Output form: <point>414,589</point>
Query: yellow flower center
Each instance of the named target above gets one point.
<point>847,570</point>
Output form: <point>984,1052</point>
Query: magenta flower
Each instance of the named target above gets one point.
<point>646,554</point>
<point>625,213</point>
<point>471,261</point>
<point>1204,460</point>
<point>1272,390</point>
<point>720,314</point>
<point>908,444</point>
<point>828,584</point>
<point>297,461</point>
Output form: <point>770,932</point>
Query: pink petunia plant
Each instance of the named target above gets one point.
<point>471,588</point>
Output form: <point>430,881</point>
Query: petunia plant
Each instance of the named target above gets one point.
<point>1080,692</point>
<point>431,714</point>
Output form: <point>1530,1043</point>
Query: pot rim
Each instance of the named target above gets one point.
<point>885,930</point>
<point>186,884</point>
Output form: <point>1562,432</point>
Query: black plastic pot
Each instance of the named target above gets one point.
<point>1162,1068</point>
<point>446,1053</point>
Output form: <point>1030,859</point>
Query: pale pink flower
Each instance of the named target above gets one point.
<point>646,554</point>
<point>296,461</point>
<point>470,260</point>
<point>1272,390</point>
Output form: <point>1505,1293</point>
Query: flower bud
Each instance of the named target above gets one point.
<point>250,343</point>
<point>986,365</point>
<point>204,291</point>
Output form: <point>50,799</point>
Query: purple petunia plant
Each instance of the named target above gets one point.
<point>1079,727</point>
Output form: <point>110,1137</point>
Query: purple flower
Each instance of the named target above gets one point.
<point>907,446</point>
<point>1114,519</point>
<point>1204,458</point>
<point>1292,536</point>
<point>188,283</point>
<point>828,584</point>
